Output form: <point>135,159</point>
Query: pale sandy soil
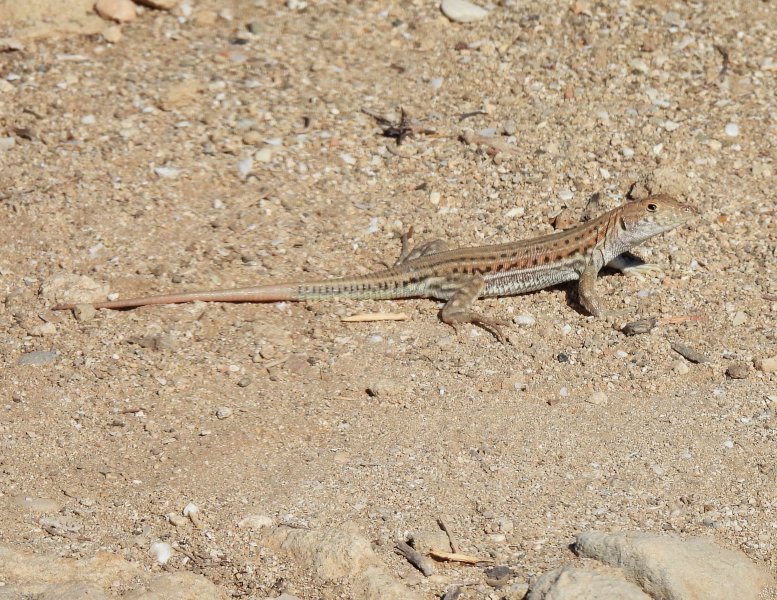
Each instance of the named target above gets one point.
<point>382,427</point>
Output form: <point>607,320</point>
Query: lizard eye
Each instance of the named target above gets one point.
<point>652,207</point>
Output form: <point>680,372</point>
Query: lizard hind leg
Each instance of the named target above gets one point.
<point>458,309</point>
<point>423,249</point>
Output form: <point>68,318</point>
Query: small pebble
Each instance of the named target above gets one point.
<point>497,576</point>
<point>767,365</point>
<point>244,166</point>
<point>740,318</point>
<point>510,127</point>
<point>39,505</point>
<point>566,195</point>
<point>598,398</point>
<point>689,353</point>
<point>112,34</point>
<point>177,520</point>
<point>738,370</point>
<point>167,172</point>
<point>524,320</point>
<point>732,130</point>
<point>121,11</point>
<point>264,155</point>
<point>223,412</point>
<point>161,551</point>
<point>462,11</point>
<point>43,329</point>
<point>680,367</point>
<point>38,357</point>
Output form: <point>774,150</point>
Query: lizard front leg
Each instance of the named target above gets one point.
<point>586,291</point>
<point>458,309</point>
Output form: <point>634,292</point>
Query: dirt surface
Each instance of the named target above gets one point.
<point>219,147</point>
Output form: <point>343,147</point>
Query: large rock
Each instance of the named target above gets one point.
<point>42,18</point>
<point>178,586</point>
<point>672,569</point>
<point>333,554</point>
<point>571,583</point>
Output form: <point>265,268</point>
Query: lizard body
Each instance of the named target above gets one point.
<point>461,276</point>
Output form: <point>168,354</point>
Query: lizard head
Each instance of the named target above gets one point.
<point>645,218</point>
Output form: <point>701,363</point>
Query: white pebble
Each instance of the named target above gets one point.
<point>434,197</point>
<point>566,195</point>
<point>728,444</point>
<point>223,412</point>
<point>161,551</point>
<point>190,509</point>
<point>244,166</point>
<point>732,130</point>
<point>264,155</point>
<point>462,11</point>
<point>88,120</point>
<point>347,158</point>
<point>167,172</point>
<point>524,320</point>
<point>436,83</point>
<point>598,398</point>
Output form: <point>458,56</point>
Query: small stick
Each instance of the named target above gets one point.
<point>441,521</point>
<point>415,558</point>
<point>456,557</point>
<point>369,317</point>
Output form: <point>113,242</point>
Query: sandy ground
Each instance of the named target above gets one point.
<point>221,150</point>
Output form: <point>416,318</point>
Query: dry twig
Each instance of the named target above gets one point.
<point>415,558</point>
<point>442,522</point>
<point>457,557</point>
<point>369,317</point>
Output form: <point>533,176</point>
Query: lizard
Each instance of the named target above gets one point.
<point>459,277</point>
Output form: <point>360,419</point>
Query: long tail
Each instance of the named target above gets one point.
<point>392,285</point>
